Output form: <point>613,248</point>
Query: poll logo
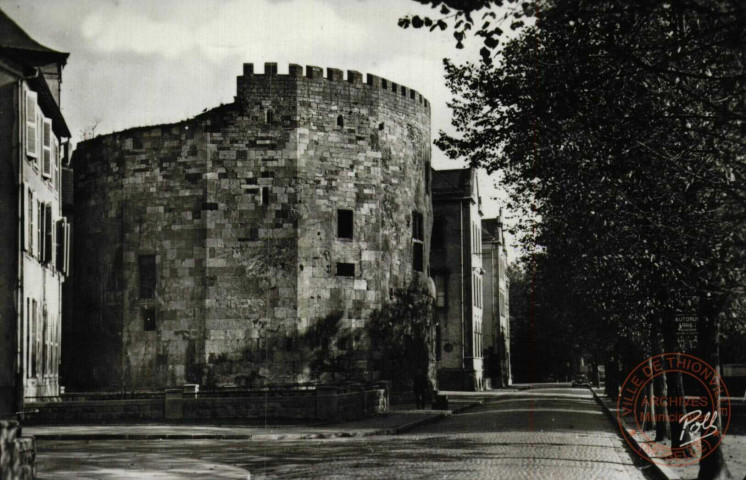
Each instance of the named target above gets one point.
<point>703,412</point>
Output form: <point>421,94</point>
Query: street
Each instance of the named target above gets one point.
<point>542,433</point>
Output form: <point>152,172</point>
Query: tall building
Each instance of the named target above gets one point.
<point>496,311</point>
<point>456,268</point>
<point>35,235</point>
<point>215,246</point>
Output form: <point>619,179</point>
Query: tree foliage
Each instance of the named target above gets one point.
<point>618,128</point>
<point>401,333</point>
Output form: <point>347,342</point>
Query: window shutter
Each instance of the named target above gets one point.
<point>29,221</point>
<point>24,200</point>
<point>68,229</point>
<point>39,230</point>
<point>60,263</point>
<point>55,163</point>
<point>31,133</point>
<point>47,148</point>
<point>48,254</point>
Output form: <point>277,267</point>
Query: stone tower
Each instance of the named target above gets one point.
<point>210,250</point>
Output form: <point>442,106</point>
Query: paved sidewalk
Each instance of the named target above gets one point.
<point>733,445</point>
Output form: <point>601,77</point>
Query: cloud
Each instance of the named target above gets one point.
<point>222,29</point>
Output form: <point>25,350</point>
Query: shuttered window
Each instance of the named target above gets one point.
<point>55,163</point>
<point>48,234</point>
<point>40,211</point>
<point>63,246</point>
<point>46,146</point>
<point>31,130</point>
<point>28,240</point>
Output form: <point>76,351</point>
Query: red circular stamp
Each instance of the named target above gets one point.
<point>703,412</point>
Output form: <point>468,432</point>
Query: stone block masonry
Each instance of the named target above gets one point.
<point>329,403</point>
<point>17,454</point>
<point>207,250</point>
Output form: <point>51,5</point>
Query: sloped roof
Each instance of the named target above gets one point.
<point>49,105</point>
<point>453,182</point>
<point>16,43</point>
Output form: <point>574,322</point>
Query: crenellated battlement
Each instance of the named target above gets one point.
<point>337,75</point>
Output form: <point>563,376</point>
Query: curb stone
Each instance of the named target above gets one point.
<point>430,419</point>
<point>663,470</point>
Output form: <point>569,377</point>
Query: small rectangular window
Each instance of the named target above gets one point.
<point>265,195</point>
<point>148,319</point>
<point>418,231</point>
<point>427,178</point>
<point>147,276</point>
<point>418,263</point>
<point>345,225</point>
<point>345,269</point>
<point>418,235</point>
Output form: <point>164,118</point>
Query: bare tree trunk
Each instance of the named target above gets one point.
<point>648,419</point>
<point>612,378</point>
<point>660,387</point>
<point>675,383</point>
<point>713,466</point>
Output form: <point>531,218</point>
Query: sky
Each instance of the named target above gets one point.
<point>145,62</point>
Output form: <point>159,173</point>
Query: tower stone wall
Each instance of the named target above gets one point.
<point>238,207</point>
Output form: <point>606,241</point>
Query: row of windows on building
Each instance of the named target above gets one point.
<point>41,337</point>
<point>46,238</point>
<point>41,145</point>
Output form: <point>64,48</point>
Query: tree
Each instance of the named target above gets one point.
<point>401,334</point>
<point>618,127</point>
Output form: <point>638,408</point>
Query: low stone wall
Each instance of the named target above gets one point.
<point>327,403</point>
<point>17,454</point>
<point>94,411</point>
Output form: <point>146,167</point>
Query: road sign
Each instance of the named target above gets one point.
<point>686,331</point>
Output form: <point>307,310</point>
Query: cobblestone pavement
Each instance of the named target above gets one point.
<point>555,434</point>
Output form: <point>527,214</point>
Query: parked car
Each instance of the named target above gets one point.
<point>580,380</point>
